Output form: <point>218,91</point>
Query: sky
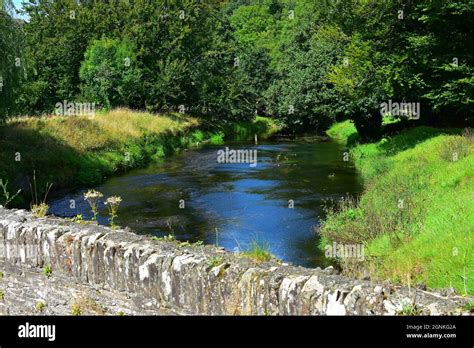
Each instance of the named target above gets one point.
<point>17,4</point>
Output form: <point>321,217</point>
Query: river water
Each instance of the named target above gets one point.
<point>232,205</point>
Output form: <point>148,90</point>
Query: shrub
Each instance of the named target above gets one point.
<point>110,74</point>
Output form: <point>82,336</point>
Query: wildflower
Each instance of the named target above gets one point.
<point>113,204</point>
<point>92,197</point>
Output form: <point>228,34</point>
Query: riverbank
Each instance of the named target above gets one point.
<point>80,151</point>
<point>415,218</point>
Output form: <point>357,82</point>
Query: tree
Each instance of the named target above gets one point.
<point>224,59</point>
<point>443,45</point>
<point>361,81</point>
<point>110,74</point>
<point>12,65</point>
<point>303,97</point>
<point>425,51</point>
<point>252,28</point>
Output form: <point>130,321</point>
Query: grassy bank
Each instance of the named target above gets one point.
<point>416,216</point>
<point>82,151</point>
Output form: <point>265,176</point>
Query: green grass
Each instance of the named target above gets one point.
<point>469,306</point>
<point>76,310</point>
<point>215,261</point>
<point>262,126</point>
<point>416,216</point>
<point>345,132</point>
<point>258,252</point>
<point>81,151</point>
<point>47,271</point>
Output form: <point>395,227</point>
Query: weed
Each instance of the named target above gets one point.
<point>47,271</point>
<point>344,222</point>
<point>168,238</point>
<point>113,204</point>
<point>6,195</point>
<point>187,243</point>
<point>39,207</point>
<point>78,219</point>
<point>40,210</point>
<point>84,304</point>
<point>93,197</point>
<point>468,133</point>
<point>40,306</point>
<point>215,261</point>
<point>76,310</point>
<point>455,148</point>
<point>409,309</point>
<point>258,252</point>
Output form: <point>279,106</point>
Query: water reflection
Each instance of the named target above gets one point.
<point>244,203</point>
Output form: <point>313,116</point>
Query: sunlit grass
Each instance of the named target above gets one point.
<point>342,131</point>
<point>78,151</point>
<point>258,251</point>
<point>83,150</point>
<point>104,129</point>
<point>416,216</point>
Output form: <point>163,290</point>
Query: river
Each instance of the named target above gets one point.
<point>277,203</point>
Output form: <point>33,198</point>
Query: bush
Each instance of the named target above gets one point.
<point>302,97</point>
<point>110,74</point>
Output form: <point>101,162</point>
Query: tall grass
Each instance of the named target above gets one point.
<point>416,216</point>
<point>80,151</point>
<point>259,252</point>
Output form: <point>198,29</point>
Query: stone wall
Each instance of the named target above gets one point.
<point>170,277</point>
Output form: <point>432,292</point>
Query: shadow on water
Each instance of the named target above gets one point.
<point>243,203</point>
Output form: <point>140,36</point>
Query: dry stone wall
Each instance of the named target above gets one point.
<point>159,277</point>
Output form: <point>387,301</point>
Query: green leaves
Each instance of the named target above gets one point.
<point>12,66</point>
<point>110,73</point>
<point>304,62</point>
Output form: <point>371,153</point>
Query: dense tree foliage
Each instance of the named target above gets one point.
<point>12,67</point>
<point>110,74</point>
<point>306,62</point>
<point>303,96</point>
